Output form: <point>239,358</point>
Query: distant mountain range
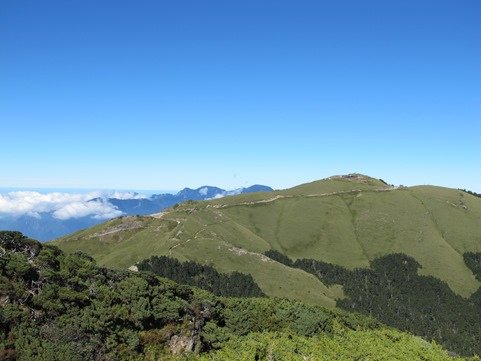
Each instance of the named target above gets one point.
<point>158,202</point>
<point>48,224</point>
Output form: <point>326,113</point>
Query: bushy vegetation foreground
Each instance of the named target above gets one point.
<point>392,291</point>
<point>64,307</point>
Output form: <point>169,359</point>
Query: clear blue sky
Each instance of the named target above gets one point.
<point>165,94</point>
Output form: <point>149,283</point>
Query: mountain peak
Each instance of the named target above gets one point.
<point>352,176</point>
<point>358,178</point>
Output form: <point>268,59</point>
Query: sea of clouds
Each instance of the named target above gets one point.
<point>62,205</point>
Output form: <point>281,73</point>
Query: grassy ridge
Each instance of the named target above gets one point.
<point>123,249</point>
<point>344,221</point>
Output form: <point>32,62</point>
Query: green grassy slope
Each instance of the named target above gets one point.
<point>194,238</point>
<point>342,220</point>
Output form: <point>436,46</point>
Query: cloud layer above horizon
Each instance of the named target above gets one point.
<point>62,206</point>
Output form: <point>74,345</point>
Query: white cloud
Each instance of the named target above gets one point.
<point>124,195</point>
<point>61,205</point>
<point>234,192</point>
<point>203,191</point>
<point>228,193</point>
<point>97,209</point>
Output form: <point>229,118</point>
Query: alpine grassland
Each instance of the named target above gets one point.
<point>347,221</point>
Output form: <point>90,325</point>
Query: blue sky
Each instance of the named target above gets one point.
<point>167,94</point>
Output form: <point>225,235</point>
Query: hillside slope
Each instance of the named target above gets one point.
<point>345,220</point>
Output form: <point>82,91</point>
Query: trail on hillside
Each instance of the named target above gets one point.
<point>354,229</point>
<point>328,194</point>
<point>435,223</point>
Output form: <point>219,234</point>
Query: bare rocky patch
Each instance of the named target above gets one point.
<point>128,223</point>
